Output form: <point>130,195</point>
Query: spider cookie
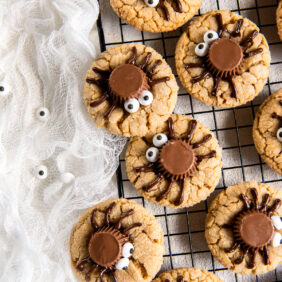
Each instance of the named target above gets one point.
<point>222,59</point>
<point>244,227</point>
<point>130,90</point>
<point>156,15</point>
<point>267,131</point>
<point>177,167</point>
<point>186,275</point>
<point>116,240</point>
<point>279,19</point>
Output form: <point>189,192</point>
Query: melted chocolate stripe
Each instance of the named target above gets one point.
<point>253,53</point>
<point>101,274</point>
<point>80,265</point>
<point>144,64</point>
<point>165,193</point>
<point>132,60</point>
<point>233,87</point>
<point>194,65</point>
<point>249,39</point>
<point>238,28</point>
<point>124,215</point>
<point>180,279</point>
<point>205,140</point>
<point>93,220</point>
<point>240,258</point>
<point>153,183</point>
<point>251,263</point>
<point>221,27</point>
<point>98,102</point>
<point>108,211</point>
<point>159,80</point>
<point>113,276</point>
<point>134,225</point>
<point>88,274</point>
<point>245,201</point>
<point>180,200</point>
<point>191,130</point>
<point>171,128</point>
<point>165,10</point>
<point>101,72</point>
<point>151,71</point>
<point>266,255</point>
<point>216,85</point>
<point>275,206</point>
<point>265,202</point>
<point>110,110</point>
<point>254,193</point>
<point>198,78</point>
<point>234,247</point>
<point>98,82</point>
<point>144,168</point>
<point>212,154</point>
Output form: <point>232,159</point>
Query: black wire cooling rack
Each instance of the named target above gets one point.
<point>184,228</point>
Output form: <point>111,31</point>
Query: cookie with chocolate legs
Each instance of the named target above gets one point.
<point>130,90</point>
<point>279,19</point>
<point>116,240</point>
<point>244,228</point>
<point>177,167</point>
<point>222,59</point>
<point>186,275</point>
<point>156,15</point>
<point>267,131</point>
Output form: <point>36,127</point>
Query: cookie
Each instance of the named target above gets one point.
<point>130,90</point>
<point>279,19</point>
<point>186,275</point>
<point>177,167</point>
<point>156,15</point>
<point>116,239</point>
<point>222,59</point>
<point>244,228</point>
<point>267,131</point>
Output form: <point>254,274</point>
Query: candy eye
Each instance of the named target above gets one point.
<point>152,3</point>
<point>210,36</point>
<point>201,49</point>
<point>122,264</point>
<point>131,105</point>
<point>146,98</point>
<point>127,250</point>
<point>152,154</point>
<point>4,88</point>
<point>41,172</point>
<point>277,222</point>
<point>159,139</point>
<point>42,114</point>
<point>279,134</point>
<point>276,240</point>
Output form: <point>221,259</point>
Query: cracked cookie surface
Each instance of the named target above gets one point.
<point>152,19</point>
<point>253,72</point>
<point>265,131</point>
<point>279,19</point>
<point>222,211</point>
<point>147,118</point>
<point>187,274</point>
<point>147,240</point>
<point>197,187</point>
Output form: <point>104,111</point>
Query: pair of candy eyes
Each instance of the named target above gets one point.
<point>277,237</point>
<point>202,48</point>
<point>127,251</point>
<point>152,153</point>
<point>145,99</point>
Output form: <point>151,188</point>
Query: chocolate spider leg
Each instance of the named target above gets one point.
<point>165,193</point>
<point>113,276</point>
<point>275,206</point>
<point>253,53</point>
<point>179,6</point>
<point>93,221</point>
<point>171,128</point>
<point>245,201</point>
<point>88,274</point>
<point>241,257</point>
<point>108,211</point>
<point>165,9</point>
<point>275,115</point>
<point>145,168</point>
<point>234,93</point>
<point>221,28</point>
<point>101,274</point>
<point>101,100</point>
<point>180,199</point>
<point>110,110</point>
<point>237,30</point>
<point>145,62</point>
<point>134,225</point>
<point>265,201</point>
<point>191,130</point>
<point>265,254</point>
<point>101,72</point>
<point>212,154</point>
<point>200,77</point>
<point>158,80</point>
<point>234,247</point>
<point>123,215</point>
<point>132,60</point>
<point>151,71</point>
<point>202,142</point>
<point>194,65</point>
<point>98,82</point>
<point>151,185</point>
<point>216,85</point>
<point>254,193</point>
<point>253,255</point>
<point>249,39</point>
<point>80,265</point>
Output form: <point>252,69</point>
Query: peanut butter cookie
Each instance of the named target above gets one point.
<point>267,131</point>
<point>279,19</point>
<point>186,275</point>
<point>116,240</point>
<point>222,59</point>
<point>156,15</point>
<point>244,227</point>
<point>178,167</point>
<point>130,90</point>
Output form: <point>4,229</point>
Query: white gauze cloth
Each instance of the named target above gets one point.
<point>45,50</point>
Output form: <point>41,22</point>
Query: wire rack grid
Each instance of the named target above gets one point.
<point>184,228</point>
